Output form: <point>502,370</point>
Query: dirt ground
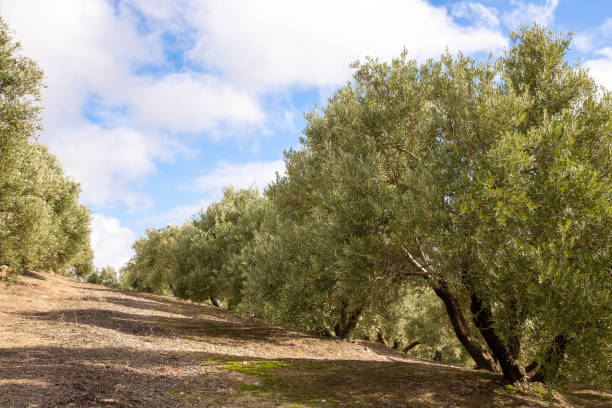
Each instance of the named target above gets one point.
<point>65,343</point>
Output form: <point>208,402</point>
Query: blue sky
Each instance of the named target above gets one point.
<point>155,105</point>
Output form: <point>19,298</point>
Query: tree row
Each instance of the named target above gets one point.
<point>457,205</point>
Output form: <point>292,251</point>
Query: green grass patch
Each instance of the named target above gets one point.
<point>166,323</point>
<point>278,380</point>
<point>541,391</point>
<point>255,367</point>
<point>512,388</point>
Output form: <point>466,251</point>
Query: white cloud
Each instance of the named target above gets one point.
<point>138,202</point>
<point>110,241</point>
<point>480,14</point>
<point>280,43</point>
<point>584,42</point>
<point>244,175</point>
<point>94,50</point>
<point>83,47</point>
<point>191,102</point>
<point>86,48</point>
<point>601,69</point>
<point>107,161</point>
<point>89,50</point>
<point>528,13</point>
<point>239,175</point>
<point>258,174</point>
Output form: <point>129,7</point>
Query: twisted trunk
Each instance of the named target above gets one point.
<point>483,359</point>
<point>514,342</point>
<point>511,368</point>
<point>506,355</point>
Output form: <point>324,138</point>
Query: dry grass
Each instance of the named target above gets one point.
<point>65,343</point>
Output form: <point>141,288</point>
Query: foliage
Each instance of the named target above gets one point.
<point>201,259</point>
<point>214,266</point>
<point>476,190</point>
<point>42,223</point>
<point>493,177</point>
<point>414,322</point>
<point>106,276</point>
<point>150,268</point>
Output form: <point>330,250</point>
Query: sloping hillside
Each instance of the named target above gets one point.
<point>65,343</point>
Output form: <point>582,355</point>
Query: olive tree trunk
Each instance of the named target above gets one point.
<point>483,359</point>
<point>348,321</point>
<point>511,367</point>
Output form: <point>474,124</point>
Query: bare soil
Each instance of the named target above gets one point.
<point>65,343</point>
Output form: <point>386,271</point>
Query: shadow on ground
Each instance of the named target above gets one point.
<point>124,377</point>
<point>193,328</point>
<point>33,274</point>
<point>159,373</point>
<point>113,377</point>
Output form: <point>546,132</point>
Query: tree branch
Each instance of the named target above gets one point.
<point>424,270</point>
<point>408,273</point>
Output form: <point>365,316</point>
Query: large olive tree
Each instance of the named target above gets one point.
<point>489,181</point>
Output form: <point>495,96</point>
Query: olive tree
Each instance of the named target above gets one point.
<point>213,263</point>
<point>202,259</point>
<point>490,182</point>
<point>151,267</point>
<point>42,223</point>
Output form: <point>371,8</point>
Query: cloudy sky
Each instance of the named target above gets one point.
<point>155,105</point>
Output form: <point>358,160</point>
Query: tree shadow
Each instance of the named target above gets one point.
<point>151,301</point>
<point>196,322</point>
<point>145,304</point>
<point>104,377</point>
<point>192,310</point>
<point>211,329</point>
<point>127,377</point>
<point>32,274</point>
<point>10,280</point>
